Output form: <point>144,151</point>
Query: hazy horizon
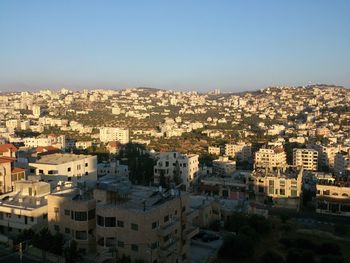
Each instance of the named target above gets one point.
<point>184,45</point>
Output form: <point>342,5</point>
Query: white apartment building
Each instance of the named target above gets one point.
<point>241,151</point>
<point>342,163</point>
<point>223,166</point>
<point>333,196</point>
<point>215,150</point>
<point>109,134</point>
<point>326,154</point>
<point>41,141</point>
<point>169,162</point>
<point>306,158</point>
<point>56,167</point>
<point>13,124</point>
<point>282,187</point>
<point>36,111</point>
<point>24,208</point>
<point>271,157</point>
<point>83,144</point>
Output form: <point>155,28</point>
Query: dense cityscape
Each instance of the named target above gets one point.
<point>187,131</point>
<point>150,175</point>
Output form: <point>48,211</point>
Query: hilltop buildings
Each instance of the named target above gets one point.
<point>306,158</point>
<point>109,134</point>
<point>270,157</point>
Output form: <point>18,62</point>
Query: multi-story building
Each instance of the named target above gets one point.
<point>270,157</point>
<point>8,150</point>
<point>174,163</point>
<point>24,208</point>
<point>215,150</point>
<point>223,166</point>
<point>326,154</point>
<point>71,212</point>
<point>142,222</point>
<point>76,168</point>
<point>109,134</point>
<point>234,188</point>
<point>333,196</point>
<point>13,124</point>
<point>58,141</point>
<point>36,111</point>
<point>9,174</point>
<point>342,163</point>
<point>282,187</point>
<point>240,151</point>
<point>306,158</point>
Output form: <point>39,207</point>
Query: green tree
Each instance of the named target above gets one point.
<point>71,253</point>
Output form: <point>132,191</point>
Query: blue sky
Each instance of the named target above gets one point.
<point>181,45</point>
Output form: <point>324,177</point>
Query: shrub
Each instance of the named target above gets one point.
<point>299,255</point>
<point>271,256</point>
<point>332,259</point>
<point>329,248</point>
<point>239,246</point>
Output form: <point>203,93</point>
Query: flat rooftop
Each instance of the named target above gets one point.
<point>289,173</point>
<point>61,158</point>
<point>18,201</point>
<point>73,194</point>
<point>136,197</point>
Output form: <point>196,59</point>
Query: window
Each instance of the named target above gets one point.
<point>134,247</point>
<point>154,245</point>
<point>120,223</point>
<point>69,169</point>
<point>100,221</point>
<point>120,244</point>
<point>271,187</point>
<point>80,235</point>
<point>110,221</point>
<point>80,216</point>
<point>86,164</point>
<point>86,173</point>
<point>166,218</point>
<point>101,241</point>
<point>154,224</point>
<point>78,167</point>
<point>41,171</point>
<point>110,241</point>
<point>66,212</point>
<point>57,228</point>
<point>282,192</point>
<point>91,214</point>
<point>67,230</point>
<point>134,227</point>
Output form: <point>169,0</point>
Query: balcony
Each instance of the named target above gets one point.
<point>191,232</point>
<point>169,248</point>
<point>170,227</point>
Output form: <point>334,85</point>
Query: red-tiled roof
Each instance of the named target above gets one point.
<point>6,147</point>
<point>17,170</point>
<point>6,159</point>
<point>114,144</point>
<point>42,149</point>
